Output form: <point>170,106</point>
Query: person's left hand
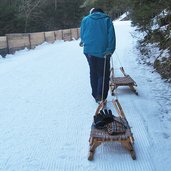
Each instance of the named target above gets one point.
<point>81,44</point>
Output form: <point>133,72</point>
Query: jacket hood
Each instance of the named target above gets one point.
<point>98,15</point>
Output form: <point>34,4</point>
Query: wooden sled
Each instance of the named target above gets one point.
<point>99,136</point>
<point>126,80</point>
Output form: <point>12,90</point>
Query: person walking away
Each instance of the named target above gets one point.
<point>98,39</point>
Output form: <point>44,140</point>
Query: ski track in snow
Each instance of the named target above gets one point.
<point>46,111</point>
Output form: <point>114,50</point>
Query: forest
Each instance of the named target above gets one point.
<point>38,15</point>
<point>20,16</point>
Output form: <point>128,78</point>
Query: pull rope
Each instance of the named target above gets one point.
<point>112,68</point>
<point>115,88</point>
<point>116,93</point>
<point>104,75</point>
<point>112,62</point>
<point>118,59</point>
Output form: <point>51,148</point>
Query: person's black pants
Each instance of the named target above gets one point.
<point>96,76</point>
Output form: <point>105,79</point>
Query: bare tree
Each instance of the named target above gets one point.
<point>27,7</point>
<point>56,2</point>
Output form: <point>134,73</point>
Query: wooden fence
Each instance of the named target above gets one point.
<point>13,42</point>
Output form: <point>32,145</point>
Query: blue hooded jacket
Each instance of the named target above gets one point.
<point>98,35</point>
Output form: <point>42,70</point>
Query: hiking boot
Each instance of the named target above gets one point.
<point>99,100</point>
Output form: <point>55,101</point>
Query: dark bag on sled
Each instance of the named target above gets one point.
<point>116,127</point>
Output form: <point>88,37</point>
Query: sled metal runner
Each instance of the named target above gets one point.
<point>126,80</point>
<point>99,136</point>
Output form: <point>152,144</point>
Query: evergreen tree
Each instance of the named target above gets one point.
<point>39,15</point>
<point>112,7</point>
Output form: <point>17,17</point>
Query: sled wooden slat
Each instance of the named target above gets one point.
<point>126,80</point>
<point>102,134</point>
<point>99,136</point>
<point>123,81</point>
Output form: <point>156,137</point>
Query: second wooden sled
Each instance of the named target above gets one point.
<point>99,136</point>
<point>126,80</point>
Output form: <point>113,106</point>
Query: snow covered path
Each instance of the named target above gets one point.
<point>46,111</point>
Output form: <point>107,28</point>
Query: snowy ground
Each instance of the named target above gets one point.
<point>46,111</point>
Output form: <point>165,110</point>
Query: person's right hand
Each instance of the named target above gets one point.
<point>108,55</point>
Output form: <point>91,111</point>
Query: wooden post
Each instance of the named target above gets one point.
<point>70,35</point>
<point>44,37</point>
<point>7,44</point>
<point>54,35</point>
<point>62,35</point>
<point>29,40</point>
